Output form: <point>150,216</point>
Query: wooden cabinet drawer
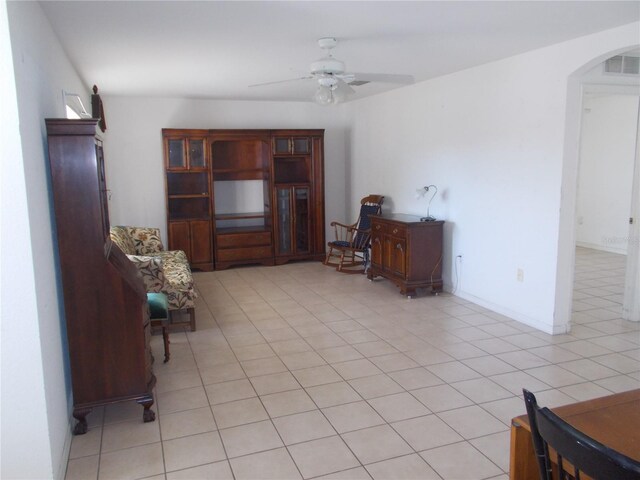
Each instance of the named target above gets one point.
<point>389,229</point>
<point>235,240</point>
<point>249,253</point>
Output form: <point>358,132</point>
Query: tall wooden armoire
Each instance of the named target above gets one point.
<point>105,301</point>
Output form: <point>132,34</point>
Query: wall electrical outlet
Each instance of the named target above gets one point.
<point>520,275</point>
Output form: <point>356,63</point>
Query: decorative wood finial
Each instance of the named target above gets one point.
<point>95,89</point>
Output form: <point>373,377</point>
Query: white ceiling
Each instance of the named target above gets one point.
<point>216,49</point>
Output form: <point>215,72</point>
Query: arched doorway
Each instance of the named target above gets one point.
<point>567,229</point>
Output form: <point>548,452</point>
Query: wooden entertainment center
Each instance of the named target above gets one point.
<point>245,196</point>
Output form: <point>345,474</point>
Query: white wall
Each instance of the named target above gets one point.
<point>607,152</point>
<point>492,139</point>
<point>134,155</point>
<point>35,418</point>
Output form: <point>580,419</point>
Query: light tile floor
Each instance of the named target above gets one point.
<point>298,371</point>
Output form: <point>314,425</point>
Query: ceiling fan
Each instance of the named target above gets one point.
<point>334,84</point>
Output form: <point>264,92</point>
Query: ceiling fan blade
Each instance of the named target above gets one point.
<point>308,77</point>
<point>344,88</point>
<point>384,77</point>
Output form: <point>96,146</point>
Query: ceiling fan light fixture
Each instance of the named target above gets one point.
<point>324,96</point>
<point>327,65</point>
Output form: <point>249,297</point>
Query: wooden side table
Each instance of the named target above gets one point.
<point>407,251</point>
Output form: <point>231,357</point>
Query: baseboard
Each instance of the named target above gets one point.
<point>602,248</point>
<point>517,316</point>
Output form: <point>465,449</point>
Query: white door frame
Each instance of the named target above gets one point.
<point>565,262</point>
<point>631,302</point>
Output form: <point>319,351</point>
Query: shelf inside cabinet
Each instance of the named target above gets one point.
<point>187,183</point>
<point>236,216</point>
<point>249,229</point>
<point>239,155</point>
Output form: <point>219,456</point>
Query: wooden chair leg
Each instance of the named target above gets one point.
<point>192,318</point>
<point>165,337</point>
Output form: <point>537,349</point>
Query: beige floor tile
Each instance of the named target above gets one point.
<point>494,346</point>
<point>229,391</point>
<point>87,444</point>
<point>585,391</point>
<point>222,373</point>
<point>516,381</point>
<point>489,365</point>
<point>620,363</point>
<point>413,431</point>
<point>287,347</point>
<point>358,473</point>
<point>298,361</point>
<point>239,412</point>
<point>402,468</point>
<point>352,416</point>
<point>481,390</point>
<point>309,377</point>
<point>280,334</point>
<point>358,336</point>
<point>274,383</point>
<point>415,378</point>
<point>356,369</point>
<point>375,386</point>
<point>453,371</point>
<point>263,366</point>
<point>472,422</point>
<point>82,468</point>
<point>372,349</point>
<point>270,465</point>
<point>189,422</point>
<point>253,352</point>
<point>495,447</point>
<point>398,407</point>
<point>505,409</point>
<point>333,394</point>
<point>376,444</point>
<point>344,326</point>
<point>178,381</point>
<point>287,403</point>
<point>522,359</point>
<point>192,451</point>
<point>393,362</point>
<point>132,463</point>
<point>339,354</point>
<point>180,400</point>
<point>429,356</point>
<point>463,350</point>
<point>129,434</point>
<point>441,397</point>
<point>250,438</point>
<point>588,369</point>
<point>555,376</point>
<point>311,457</point>
<point>303,427</point>
<point>210,471</point>
<point>620,383</point>
<point>460,461</point>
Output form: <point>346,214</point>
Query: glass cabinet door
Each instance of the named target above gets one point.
<point>196,154</point>
<point>302,219</point>
<point>176,153</point>
<point>302,145</point>
<point>284,220</point>
<point>281,145</point>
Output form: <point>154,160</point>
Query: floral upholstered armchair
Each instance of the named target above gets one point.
<point>165,271</point>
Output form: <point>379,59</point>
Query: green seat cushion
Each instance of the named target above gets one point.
<point>158,305</point>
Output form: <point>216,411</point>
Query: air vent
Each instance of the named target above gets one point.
<point>358,83</point>
<point>623,65</point>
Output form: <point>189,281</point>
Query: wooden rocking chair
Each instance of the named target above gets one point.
<point>351,247</point>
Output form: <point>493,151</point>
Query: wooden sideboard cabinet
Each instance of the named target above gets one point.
<point>406,251</point>
<point>105,302</point>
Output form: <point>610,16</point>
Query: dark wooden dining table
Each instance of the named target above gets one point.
<point>613,420</point>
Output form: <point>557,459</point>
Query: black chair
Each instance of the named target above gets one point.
<point>583,452</point>
<point>351,246</point>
